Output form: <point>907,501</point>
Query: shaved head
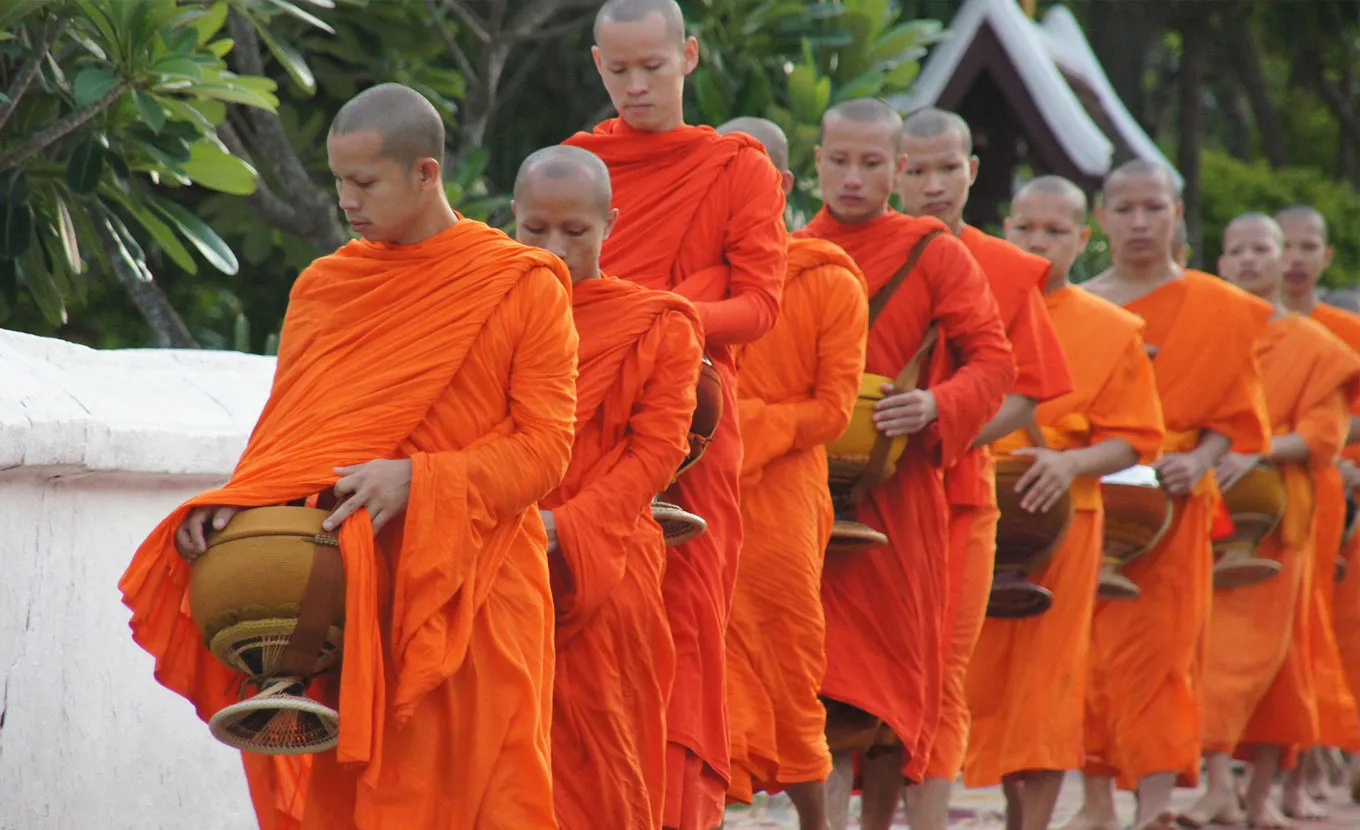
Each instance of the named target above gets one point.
<point>1255,218</point>
<point>1058,187</point>
<point>410,127</point>
<point>865,111</point>
<point>1303,213</point>
<point>631,11</point>
<point>767,133</point>
<point>563,162</point>
<point>933,123</point>
<point>1142,167</point>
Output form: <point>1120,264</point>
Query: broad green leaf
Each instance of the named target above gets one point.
<point>150,110</point>
<point>867,85</point>
<point>214,169</point>
<point>165,165</point>
<point>13,11</point>
<point>900,38</point>
<point>94,83</point>
<point>133,246</point>
<point>66,231</point>
<point>217,252</point>
<point>708,91</point>
<point>121,249</point>
<point>237,95</point>
<point>16,229</point>
<point>803,92</point>
<point>210,21</point>
<point>287,56</point>
<point>901,76</point>
<point>222,47</point>
<point>305,16</point>
<point>163,236</point>
<point>14,186</point>
<point>56,265</point>
<point>33,273</point>
<point>470,168</point>
<point>178,66</point>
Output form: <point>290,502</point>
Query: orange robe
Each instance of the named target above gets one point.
<point>1016,279</point>
<point>1310,380</point>
<point>798,387</point>
<point>702,215</point>
<point>1345,605</point>
<point>639,362</point>
<point>885,607</point>
<point>1027,679</point>
<point>458,353</point>
<point>1144,702</point>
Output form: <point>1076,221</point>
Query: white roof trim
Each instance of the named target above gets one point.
<point>1066,43</point>
<point>1083,141</point>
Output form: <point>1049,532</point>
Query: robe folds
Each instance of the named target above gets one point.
<point>885,606</point>
<point>1027,680</point>
<point>798,386</point>
<point>1016,279</point>
<point>458,353</point>
<point>1311,379</point>
<point>1145,698</point>
<point>700,214</point>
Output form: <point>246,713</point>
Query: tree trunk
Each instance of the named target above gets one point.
<point>1245,55</point>
<point>1121,37</point>
<point>167,327</point>
<point>1194,44</point>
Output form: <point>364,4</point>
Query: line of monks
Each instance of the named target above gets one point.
<point>523,650</point>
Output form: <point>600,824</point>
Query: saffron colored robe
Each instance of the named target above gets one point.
<point>1346,601</point>
<point>1027,679</point>
<point>700,214</point>
<point>1145,700</point>
<point>798,386</point>
<point>458,353</point>
<point>1016,279</point>
<point>1311,379</point>
<point>885,606</point>
<point>639,363</point>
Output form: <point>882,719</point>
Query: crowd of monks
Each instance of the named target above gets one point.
<point>523,650</point>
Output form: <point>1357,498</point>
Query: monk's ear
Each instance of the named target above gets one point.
<point>901,168</point>
<point>613,216</point>
<point>817,156</point>
<point>1180,210</point>
<point>786,178</point>
<point>1085,238</point>
<point>427,171</point>
<point>691,54</point>
<point>972,170</point>
<point>514,209</point>
<point>1327,257</point>
<point>599,62</point>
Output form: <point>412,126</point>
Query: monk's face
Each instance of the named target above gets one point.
<point>1253,258</point>
<point>1139,215</point>
<point>1306,253</point>
<point>1050,225</point>
<point>383,200</point>
<point>643,67</point>
<point>564,217</point>
<point>937,177</point>
<point>856,163</point>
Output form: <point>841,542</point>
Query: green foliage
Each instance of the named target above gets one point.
<point>1232,187</point>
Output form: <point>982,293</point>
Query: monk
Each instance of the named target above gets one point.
<point>1308,255</point>
<point>701,214</point>
<point>1258,677</point>
<point>1027,680</point>
<point>886,607</point>
<point>639,363</point>
<point>427,375</point>
<point>797,387</point>
<point>940,171</point>
<point>1144,706</point>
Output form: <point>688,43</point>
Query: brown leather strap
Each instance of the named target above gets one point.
<point>908,378</point>
<point>880,300</point>
<point>324,594</point>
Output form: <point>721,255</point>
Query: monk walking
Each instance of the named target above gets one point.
<point>1026,682</point>
<point>639,363</point>
<point>940,172</point>
<point>700,214</point>
<point>797,388</point>
<point>1260,690</point>
<point>427,374</point>
<point>1144,715</point>
<point>885,607</point>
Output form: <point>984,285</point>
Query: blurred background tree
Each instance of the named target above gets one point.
<point>162,162</point>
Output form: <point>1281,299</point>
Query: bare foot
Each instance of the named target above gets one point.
<point>1162,821</point>
<point>1214,807</point>
<point>1084,820</point>
<point>1270,818</point>
<point>1298,805</point>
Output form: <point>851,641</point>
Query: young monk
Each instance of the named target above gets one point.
<point>1336,614</point>
<point>1027,679</point>
<point>639,363</point>
<point>427,374</point>
<point>885,607</point>
<point>1259,675</point>
<point>1144,707</point>
<point>940,171</point>
<point>701,214</point>
<point>797,388</point>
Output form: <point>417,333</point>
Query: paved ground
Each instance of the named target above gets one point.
<point>983,809</point>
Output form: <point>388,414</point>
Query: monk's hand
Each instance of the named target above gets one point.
<point>191,539</point>
<point>1044,483</point>
<point>1232,466</point>
<point>902,413</point>
<point>382,485</point>
<point>550,525</point>
<point>1179,472</point>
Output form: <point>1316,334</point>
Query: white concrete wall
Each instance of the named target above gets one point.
<point>95,448</point>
